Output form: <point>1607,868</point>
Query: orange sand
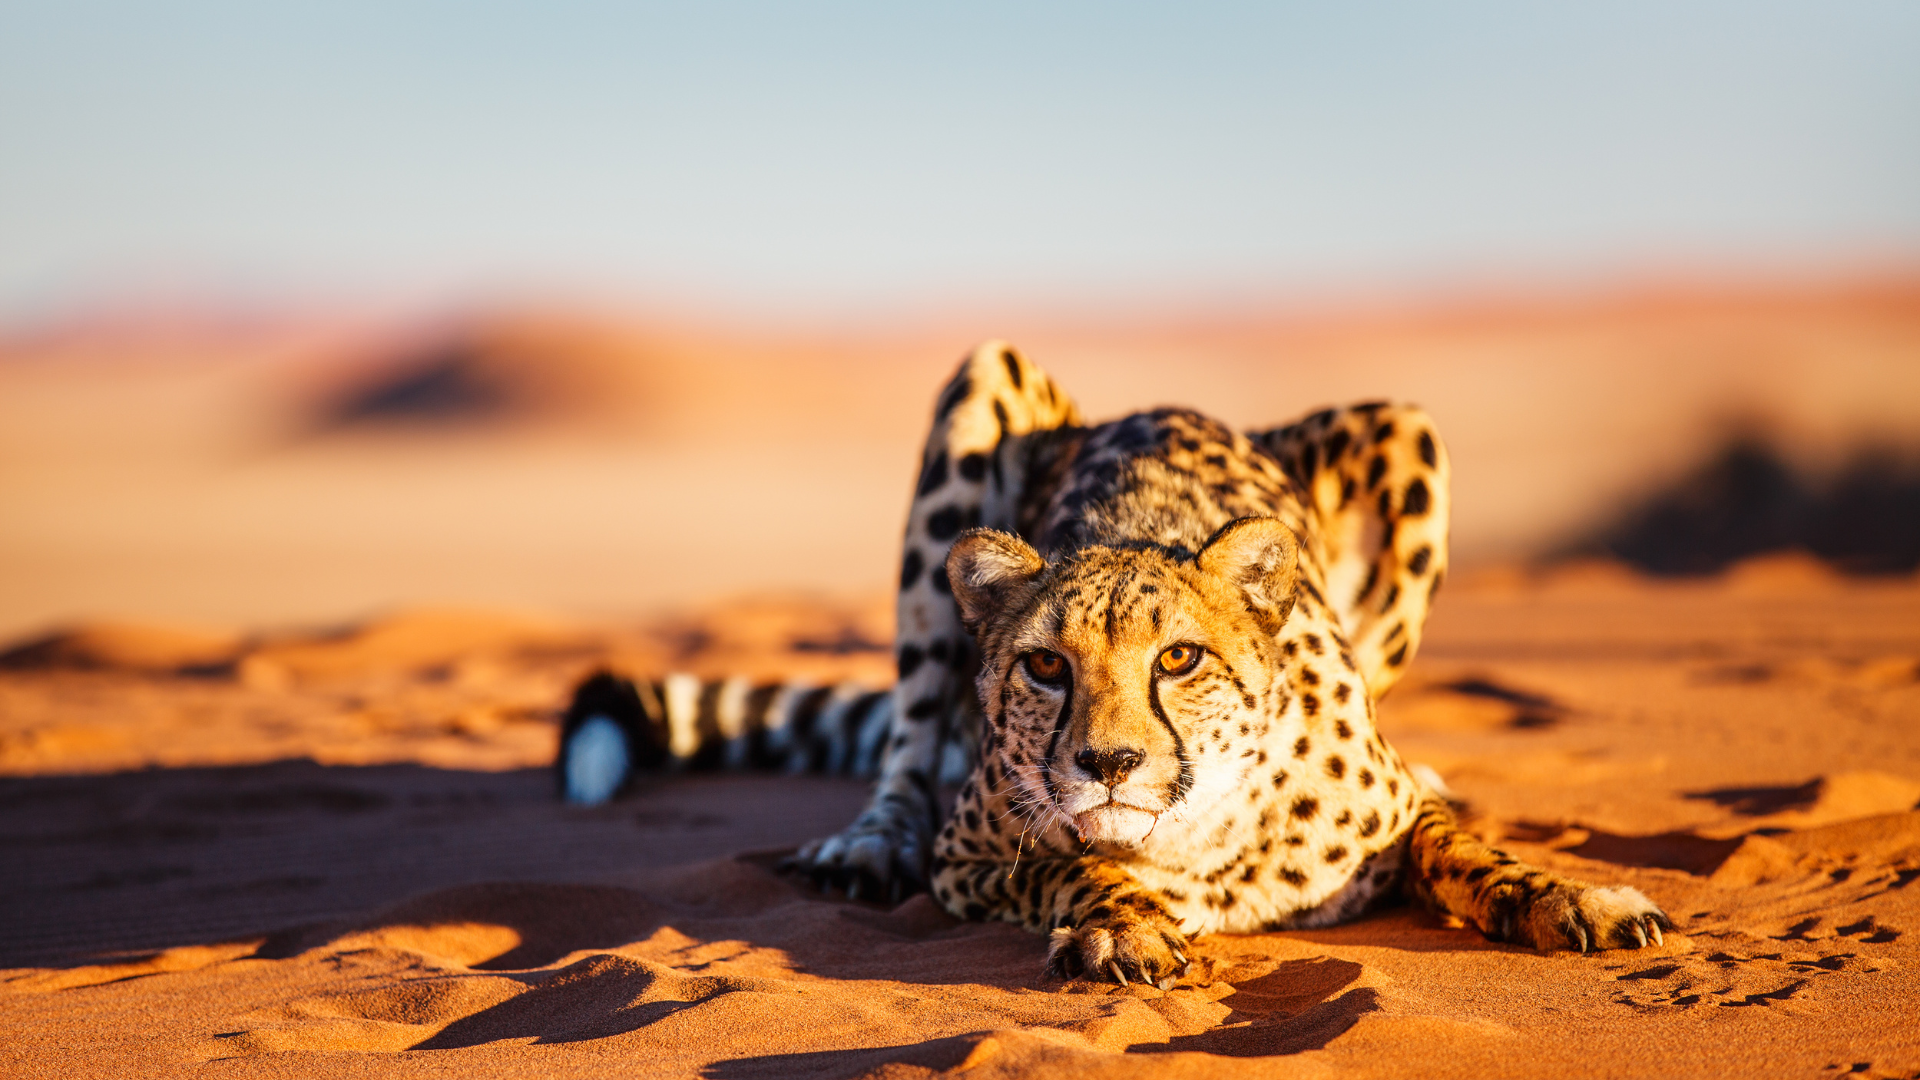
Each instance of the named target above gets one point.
<point>352,863</point>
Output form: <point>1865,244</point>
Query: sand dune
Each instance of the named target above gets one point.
<point>409,897</point>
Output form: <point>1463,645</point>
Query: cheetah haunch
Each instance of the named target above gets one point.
<point>1174,635</point>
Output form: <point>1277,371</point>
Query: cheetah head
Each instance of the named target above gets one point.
<point>1127,686</point>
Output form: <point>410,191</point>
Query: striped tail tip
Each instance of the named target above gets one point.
<point>595,763</point>
<point>604,739</point>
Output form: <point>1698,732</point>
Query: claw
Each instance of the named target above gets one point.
<point>1118,975</point>
<point>1580,937</point>
<point>1166,983</point>
<point>1653,927</point>
<point>853,888</point>
<point>1639,934</point>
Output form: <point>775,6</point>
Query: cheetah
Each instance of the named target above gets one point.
<point>1148,651</point>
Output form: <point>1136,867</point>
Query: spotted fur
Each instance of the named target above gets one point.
<point>1121,805</point>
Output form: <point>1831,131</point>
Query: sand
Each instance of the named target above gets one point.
<point>279,688</point>
<point>340,854</point>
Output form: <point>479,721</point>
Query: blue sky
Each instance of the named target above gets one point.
<point>839,156</point>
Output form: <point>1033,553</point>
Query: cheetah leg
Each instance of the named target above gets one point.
<point>972,472</point>
<point>1376,477</point>
<point>1102,924</point>
<point>1508,900</point>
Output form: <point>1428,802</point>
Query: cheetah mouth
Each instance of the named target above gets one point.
<point>1116,822</point>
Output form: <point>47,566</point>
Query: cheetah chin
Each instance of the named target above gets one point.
<point>1116,823</point>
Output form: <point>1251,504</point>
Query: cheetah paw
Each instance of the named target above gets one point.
<point>878,857</point>
<point>1583,918</point>
<point>1126,948</point>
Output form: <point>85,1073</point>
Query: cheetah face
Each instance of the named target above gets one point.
<point>1124,688</point>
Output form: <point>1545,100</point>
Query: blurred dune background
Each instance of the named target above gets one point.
<point>607,463</point>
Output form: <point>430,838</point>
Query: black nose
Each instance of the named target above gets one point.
<point>1109,766</point>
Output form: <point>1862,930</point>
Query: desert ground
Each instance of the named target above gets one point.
<point>288,611</point>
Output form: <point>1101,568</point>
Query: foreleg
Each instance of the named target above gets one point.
<point>1456,874</point>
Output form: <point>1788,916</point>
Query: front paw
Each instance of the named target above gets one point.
<point>1569,915</point>
<point>1128,946</point>
<point>880,856</point>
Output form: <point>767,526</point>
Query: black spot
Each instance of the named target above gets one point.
<point>1310,676</point>
<point>1393,597</point>
<point>957,391</point>
<point>1292,876</point>
<point>1399,656</point>
<point>1013,367</point>
<point>1279,779</point>
<point>1373,578</point>
<point>1479,872</point>
<point>939,650</point>
<point>1345,817</point>
<point>1301,746</point>
<point>1366,776</point>
<point>1343,729</point>
<point>925,709</point>
<point>1336,767</point>
<point>1310,704</point>
<point>1371,825</point>
<point>1383,432</point>
<point>1418,564</point>
<point>1346,493</point>
<point>910,570</point>
<point>944,524</point>
<point>1149,588</point>
<point>1375,471</point>
<point>1426,448</point>
<point>939,580</point>
<point>1386,510</point>
<point>973,467</point>
<point>1309,462</point>
<point>1304,808</point>
<point>910,658</point>
<point>1313,644</point>
<point>1336,853</point>
<point>1337,445</point>
<point>1342,692</point>
<point>1417,498</point>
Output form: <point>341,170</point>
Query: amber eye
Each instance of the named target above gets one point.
<point>1178,659</point>
<point>1046,665</point>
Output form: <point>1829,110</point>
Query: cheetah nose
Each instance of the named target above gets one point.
<point>1109,766</point>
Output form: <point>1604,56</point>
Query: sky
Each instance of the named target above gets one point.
<point>847,156</point>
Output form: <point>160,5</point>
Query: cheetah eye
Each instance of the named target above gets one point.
<point>1178,659</point>
<point>1046,665</point>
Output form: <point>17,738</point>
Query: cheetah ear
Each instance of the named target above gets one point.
<point>985,566</point>
<point>1261,555</point>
